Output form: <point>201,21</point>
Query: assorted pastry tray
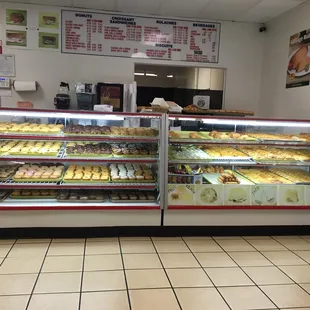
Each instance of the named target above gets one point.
<point>132,197</point>
<point>39,173</point>
<point>263,176</point>
<point>214,178</point>
<point>80,196</point>
<point>33,194</point>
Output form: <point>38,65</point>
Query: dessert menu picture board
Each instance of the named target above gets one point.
<point>140,37</point>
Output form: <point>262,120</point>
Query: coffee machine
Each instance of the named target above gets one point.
<point>62,99</point>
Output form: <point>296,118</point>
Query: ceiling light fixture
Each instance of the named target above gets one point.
<point>150,74</point>
<point>139,73</point>
<point>170,76</point>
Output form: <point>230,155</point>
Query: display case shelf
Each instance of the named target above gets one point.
<point>238,142</point>
<point>78,159</point>
<point>79,138</point>
<point>10,184</point>
<point>239,162</point>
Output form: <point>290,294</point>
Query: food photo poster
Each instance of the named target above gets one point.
<point>298,67</point>
<point>33,29</point>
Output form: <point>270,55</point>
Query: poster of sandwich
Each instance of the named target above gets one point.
<point>16,17</point>
<point>298,67</point>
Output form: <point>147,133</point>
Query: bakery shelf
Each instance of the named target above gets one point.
<point>213,162</point>
<point>79,138</point>
<point>18,205</point>
<point>61,185</point>
<point>241,142</point>
<point>78,159</point>
<point>185,207</point>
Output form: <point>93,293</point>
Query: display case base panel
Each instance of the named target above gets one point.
<point>150,228</point>
<point>49,222</point>
<point>236,217</point>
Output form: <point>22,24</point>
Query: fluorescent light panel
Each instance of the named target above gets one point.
<point>139,73</point>
<point>57,114</point>
<point>150,74</point>
<point>246,122</point>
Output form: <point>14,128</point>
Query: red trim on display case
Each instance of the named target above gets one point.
<point>238,207</point>
<point>80,186</point>
<point>75,208</point>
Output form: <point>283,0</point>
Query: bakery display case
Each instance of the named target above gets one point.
<point>222,163</point>
<point>80,160</point>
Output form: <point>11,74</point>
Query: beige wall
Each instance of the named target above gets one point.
<point>241,52</point>
<point>276,100</point>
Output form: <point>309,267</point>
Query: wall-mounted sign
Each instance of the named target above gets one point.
<point>298,69</point>
<point>140,37</point>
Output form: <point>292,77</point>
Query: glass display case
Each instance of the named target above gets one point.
<point>80,160</point>
<point>238,163</point>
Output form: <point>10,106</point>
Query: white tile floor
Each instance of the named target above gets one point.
<point>190,273</point>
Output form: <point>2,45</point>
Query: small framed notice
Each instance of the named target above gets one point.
<point>7,65</point>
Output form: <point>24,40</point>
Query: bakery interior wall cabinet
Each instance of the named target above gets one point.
<point>129,169</point>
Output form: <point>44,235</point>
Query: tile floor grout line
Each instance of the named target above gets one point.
<point>281,269</point>
<point>36,281</point>
<point>124,271</point>
<point>147,288</point>
<point>276,307</point>
<point>157,288</point>
<point>82,275</point>
<point>7,254</point>
<point>226,302</point>
<point>304,239</point>
<point>292,250</point>
<point>173,290</point>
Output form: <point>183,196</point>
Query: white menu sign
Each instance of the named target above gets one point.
<point>140,37</point>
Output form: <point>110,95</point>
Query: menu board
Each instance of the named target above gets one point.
<point>139,37</point>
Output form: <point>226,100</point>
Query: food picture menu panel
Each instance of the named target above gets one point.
<point>140,37</point>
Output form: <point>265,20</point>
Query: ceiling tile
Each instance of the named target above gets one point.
<point>45,2</point>
<point>51,2</point>
<point>227,9</point>
<point>269,9</point>
<point>108,5</point>
<point>149,7</point>
<point>258,11</point>
<point>188,9</point>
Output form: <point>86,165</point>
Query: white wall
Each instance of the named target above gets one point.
<point>241,52</point>
<point>276,100</point>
